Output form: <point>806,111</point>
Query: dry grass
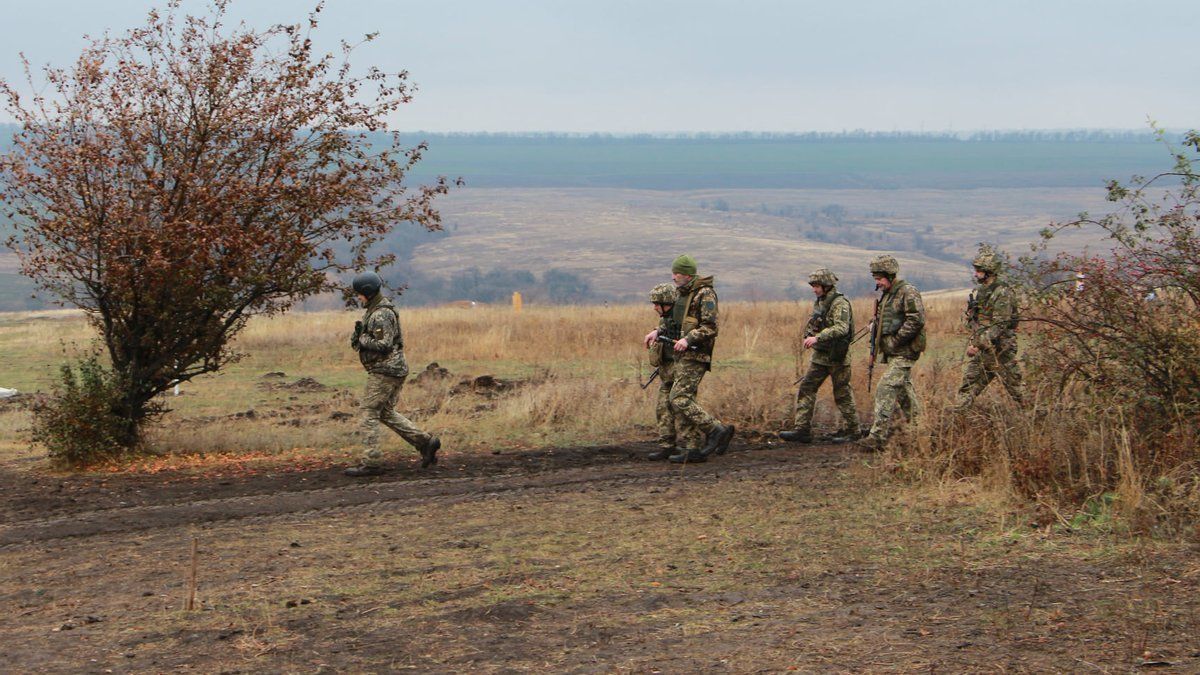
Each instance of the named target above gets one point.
<point>576,372</point>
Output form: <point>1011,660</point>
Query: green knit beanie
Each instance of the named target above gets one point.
<point>684,264</point>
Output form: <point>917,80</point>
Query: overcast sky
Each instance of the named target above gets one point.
<point>721,65</point>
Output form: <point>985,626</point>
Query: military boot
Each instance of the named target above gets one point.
<point>718,440</point>
<point>662,453</point>
<point>845,435</point>
<point>429,452</point>
<point>688,456</point>
<point>364,470</point>
<point>871,444</point>
<point>803,435</point>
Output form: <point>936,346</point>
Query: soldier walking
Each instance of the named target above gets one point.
<point>662,357</point>
<point>829,332</point>
<point>380,346</point>
<point>898,333</point>
<point>991,316</point>
<point>696,314</point>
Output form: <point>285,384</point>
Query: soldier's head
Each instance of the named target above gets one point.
<point>822,281</point>
<point>663,297</point>
<point>987,265</point>
<point>884,269</point>
<point>683,270</point>
<point>367,285</point>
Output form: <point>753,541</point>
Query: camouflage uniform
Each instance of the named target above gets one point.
<point>832,322</point>
<point>380,348</point>
<point>991,317</point>
<point>899,336</point>
<point>663,358</point>
<point>696,315</point>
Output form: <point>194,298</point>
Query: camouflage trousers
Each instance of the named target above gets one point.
<point>692,423</point>
<point>664,416</point>
<point>379,406</point>
<point>843,395</point>
<point>895,390</point>
<point>986,366</point>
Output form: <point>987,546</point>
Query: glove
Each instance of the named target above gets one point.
<point>358,327</point>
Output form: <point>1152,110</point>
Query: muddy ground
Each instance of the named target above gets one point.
<point>572,560</point>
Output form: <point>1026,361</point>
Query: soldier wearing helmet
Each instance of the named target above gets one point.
<point>991,317</point>
<point>828,334</point>
<point>698,434</point>
<point>898,336</point>
<point>380,346</point>
<point>662,357</point>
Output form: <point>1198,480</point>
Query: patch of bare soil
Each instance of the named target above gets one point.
<point>303,560</point>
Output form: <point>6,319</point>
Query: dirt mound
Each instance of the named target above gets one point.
<point>19,401</point>
<point>432,373</point>
<point>302,385</point>
<point>485,385</point>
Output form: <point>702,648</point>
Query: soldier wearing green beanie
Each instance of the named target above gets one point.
<point>696,314</point>
<point>684,264</point>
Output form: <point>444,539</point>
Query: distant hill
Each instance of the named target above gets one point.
<point>605,211</point>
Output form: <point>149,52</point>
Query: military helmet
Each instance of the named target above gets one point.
<point>885,265</point>
<point>664,294</point>
<point>367,284</point>
<point>823,276</point>
<point>987,261</point>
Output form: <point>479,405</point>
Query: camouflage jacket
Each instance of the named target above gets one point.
<point>992,316</point>
<point>832,323</point>
<point>380,345</point>
<point>900,322</point>
<point>696,314</point>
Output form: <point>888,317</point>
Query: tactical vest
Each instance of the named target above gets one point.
<point>980,310</point>
<point>835,350</point>
<point>891,318</point>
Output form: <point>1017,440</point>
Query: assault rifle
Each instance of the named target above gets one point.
<point>652,376</point>
<point>874,345</point>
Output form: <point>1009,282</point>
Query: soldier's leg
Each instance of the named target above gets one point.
<point>663,415</point>
<point>1009,372</point>
<point>910,404</point>
<point>376,399</point>
<point>892,387</point>
<point>692,422</point>
<point>975,378</point>
<point>806,397</point>
<point>843,396</point>
<point>399,423</point>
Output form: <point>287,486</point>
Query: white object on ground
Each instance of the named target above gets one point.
<point>7,393</point>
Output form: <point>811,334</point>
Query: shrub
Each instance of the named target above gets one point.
<point>81,421</point>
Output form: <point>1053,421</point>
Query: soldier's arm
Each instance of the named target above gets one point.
<point>914,317</point>
<point>707,330</point>
<point>837,326</point>
<point>380,333</point>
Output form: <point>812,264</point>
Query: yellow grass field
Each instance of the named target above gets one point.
<point>574,371</point>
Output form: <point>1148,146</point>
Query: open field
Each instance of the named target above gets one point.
<point>622,241</point>
<point>543,540</point>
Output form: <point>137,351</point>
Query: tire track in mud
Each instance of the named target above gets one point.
<point>310,502</point>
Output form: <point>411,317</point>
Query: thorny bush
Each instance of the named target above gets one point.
<point>1111,346</point>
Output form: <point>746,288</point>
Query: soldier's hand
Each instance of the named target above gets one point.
<point>972,350</point>
<point>358,327</point>
<point>651,337</point>
<point>681,345</point>
<point>810,341</point>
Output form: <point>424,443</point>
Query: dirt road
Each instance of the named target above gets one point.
<point>572,560</point>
